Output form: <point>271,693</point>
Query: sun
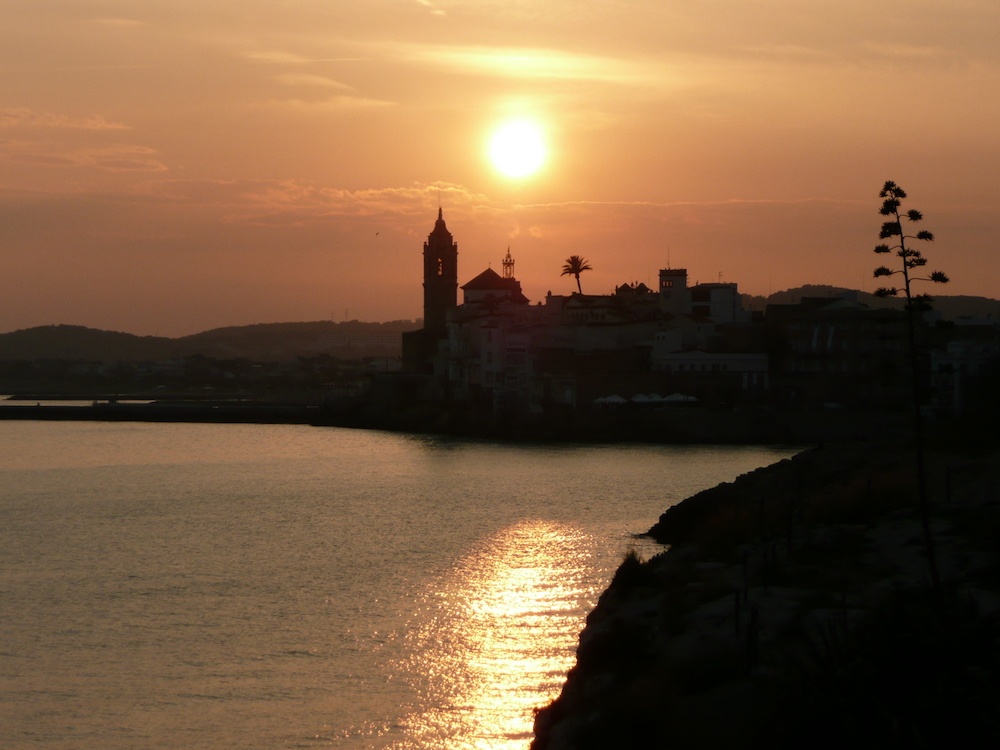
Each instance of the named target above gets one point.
<point>517,148</point>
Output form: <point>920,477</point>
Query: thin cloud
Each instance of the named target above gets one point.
<point>13,155</point>
<point>907,52</point>
<point>117,158</point>
<point>530,63</point>
<point>787,52</point>
<point>329,105</point>
<point>435,11</point>
<point>280,57</point>
<point>574,206</point>
<point>297,202</point>
<point>126,159</point>
<point>118,23</point>
<point>277,57</point>
<point>24,117</point>
<point>306,79</point>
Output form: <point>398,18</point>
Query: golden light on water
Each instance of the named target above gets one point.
<point>498,639</point>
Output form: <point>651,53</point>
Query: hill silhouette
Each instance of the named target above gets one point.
<point>274,342</point>
<point>81,343</point>
<point>261,342</point>
<point>947,307</point>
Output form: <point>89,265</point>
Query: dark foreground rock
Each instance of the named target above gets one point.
<point>793,609</point>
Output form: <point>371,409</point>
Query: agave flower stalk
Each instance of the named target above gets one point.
<point>910,261</point>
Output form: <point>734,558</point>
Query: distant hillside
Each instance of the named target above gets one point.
<point>949,307</point>
<point>348,340</point>
<point>284,341</point>
<point>81,343</point>
<point>264,342</point>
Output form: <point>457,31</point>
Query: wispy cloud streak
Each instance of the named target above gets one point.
<point>25,117</point>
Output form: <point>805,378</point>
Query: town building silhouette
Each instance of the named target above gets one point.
<point>678,344</point>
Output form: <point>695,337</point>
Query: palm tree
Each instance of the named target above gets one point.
<point>574,266</point>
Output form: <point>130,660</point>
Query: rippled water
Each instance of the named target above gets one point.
<point>244,586</point>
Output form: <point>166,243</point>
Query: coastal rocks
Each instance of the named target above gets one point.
<point>779,596</point>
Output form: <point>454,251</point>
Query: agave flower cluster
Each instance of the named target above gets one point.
<point>893,196</point>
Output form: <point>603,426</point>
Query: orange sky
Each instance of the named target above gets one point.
<point>168,167</point>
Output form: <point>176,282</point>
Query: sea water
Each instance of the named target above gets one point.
<point>277,586</point>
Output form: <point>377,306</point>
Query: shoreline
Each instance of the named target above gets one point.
<point>681,425</point>
<point>208,412</point>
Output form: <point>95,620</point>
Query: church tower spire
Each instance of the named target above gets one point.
<point>440,277</point>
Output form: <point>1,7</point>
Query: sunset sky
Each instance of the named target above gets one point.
<point>173,166</point>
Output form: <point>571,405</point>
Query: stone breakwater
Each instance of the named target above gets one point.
<point>792,609</point>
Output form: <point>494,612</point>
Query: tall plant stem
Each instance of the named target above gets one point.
<point>918,419</point>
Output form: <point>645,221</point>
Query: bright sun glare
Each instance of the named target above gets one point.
<point>517,148</point>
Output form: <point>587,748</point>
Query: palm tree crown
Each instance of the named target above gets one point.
<point>574,266</point>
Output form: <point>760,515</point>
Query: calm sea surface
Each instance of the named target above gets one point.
<point>244,586</point>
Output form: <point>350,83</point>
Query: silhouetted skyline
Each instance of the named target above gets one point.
<point>176,167</point>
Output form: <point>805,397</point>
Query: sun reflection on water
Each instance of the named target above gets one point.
<point>497,638</point>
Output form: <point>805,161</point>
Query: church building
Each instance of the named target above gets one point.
<point>494,347</point>
<point>440,299</point>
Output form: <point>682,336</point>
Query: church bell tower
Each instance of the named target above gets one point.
<point>440,278</point>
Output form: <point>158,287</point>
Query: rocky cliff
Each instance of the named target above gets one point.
<point>792,609</point>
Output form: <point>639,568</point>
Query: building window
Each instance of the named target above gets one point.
<point>440,267</point>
